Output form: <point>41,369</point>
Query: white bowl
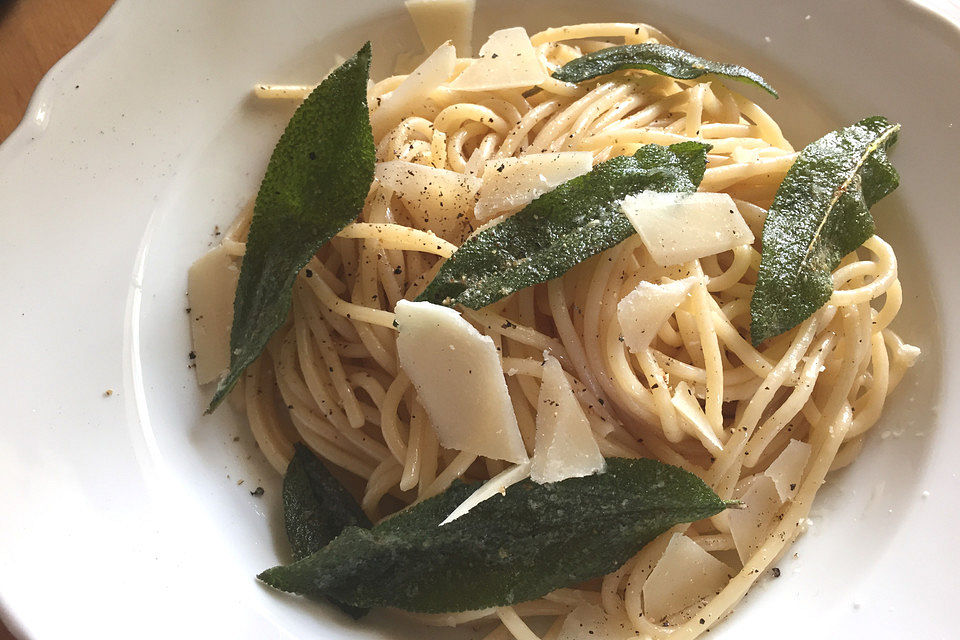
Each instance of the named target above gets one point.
<point>123,516</point>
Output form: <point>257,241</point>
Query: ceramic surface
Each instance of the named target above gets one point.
<point>124,514</point>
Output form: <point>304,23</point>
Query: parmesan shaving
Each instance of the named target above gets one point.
<point>497,485</point>
<point>680,227</point>
<point>749,525</point>
<point>694,420</point>
<point>643,311</point>
<point>403,100</point>
<point>211,286</point>
<point>407,60</point>
<point>590,622</point>
<point>511,183</point>
<point>565,446</point>
<point>438,197</point>
<point>685,576</point>
<point>437,20</point>
<point>507,61</point>
<point>456,371</point>
<point>787,470</point>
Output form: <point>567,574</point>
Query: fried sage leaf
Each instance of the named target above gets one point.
<point>658,58</point>
<point>563,227</point>
<point>315,184</point>
<point>316,509</point>
<point>510,548</point>
<point>821,213</point>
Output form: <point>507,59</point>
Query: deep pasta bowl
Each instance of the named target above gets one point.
<point>130,513</point>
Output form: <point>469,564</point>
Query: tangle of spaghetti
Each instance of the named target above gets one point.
<point>331,379</point>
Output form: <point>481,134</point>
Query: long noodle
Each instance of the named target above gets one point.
<point>332,379</point>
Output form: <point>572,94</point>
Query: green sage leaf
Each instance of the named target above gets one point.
<point>315,184</point>
<point>659,58</point>
<point>316,509</point>
<point>821,213</point>
<point>563,227</point>
<point>508,549</point>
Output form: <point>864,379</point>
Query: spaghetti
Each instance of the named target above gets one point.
<point>331,379</point>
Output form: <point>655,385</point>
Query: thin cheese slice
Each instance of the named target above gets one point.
<point>693,419</point>
<point>497,485</point>
<point>511,183</point>
<point>643,311</point>
<point>787,470</point>
<point>407,60</point>
<point>507,61</point>
<point>400,102</point>
<point>439,198</point>
<point>753,215</point>
<point>565,446</point>
<point>590,622</point>
<point>749,526</point>
<point>679,227</point>
<point>685,575</point>
<point>457,373</point>
<point>440,20</point>
<point>211,286</point>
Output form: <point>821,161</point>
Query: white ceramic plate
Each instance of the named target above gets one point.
<point>122,515</point>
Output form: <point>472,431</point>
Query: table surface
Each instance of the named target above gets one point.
<point>34,34</point>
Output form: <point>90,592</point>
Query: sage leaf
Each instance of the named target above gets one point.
<point>659,58</point>
<point>316,509</point>
<point>563,227</point>
<point>508,549</point>
<point>315,184</point>
<point>821,213</point>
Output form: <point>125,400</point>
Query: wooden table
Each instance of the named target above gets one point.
<point>34,34</point>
